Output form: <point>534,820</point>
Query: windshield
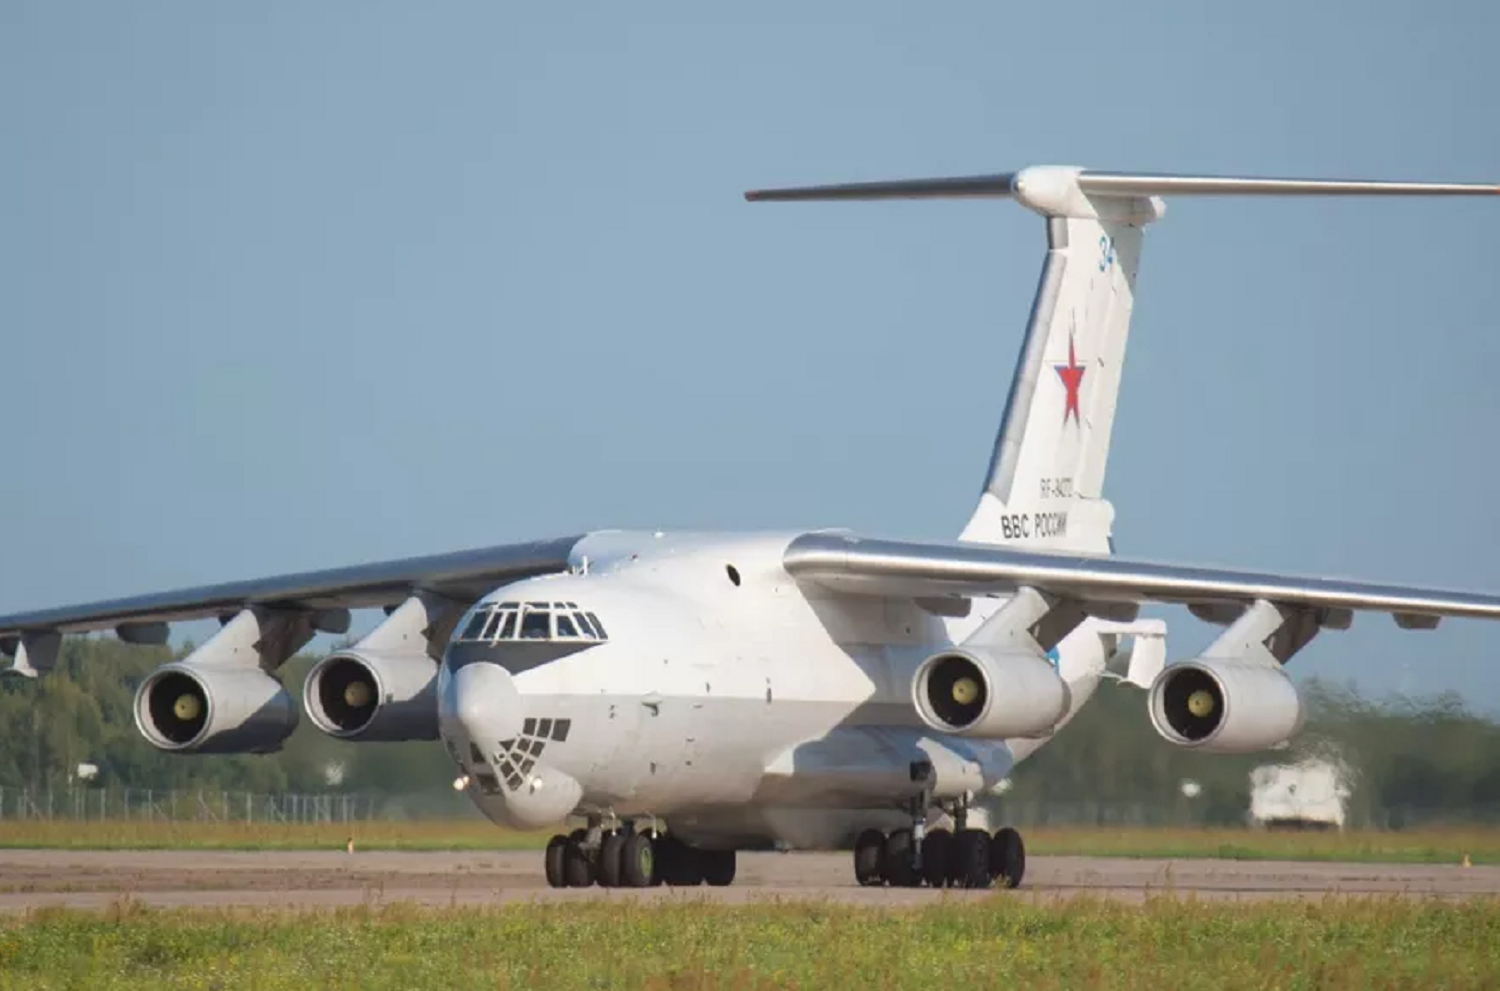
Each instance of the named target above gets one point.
<point>493,622</point>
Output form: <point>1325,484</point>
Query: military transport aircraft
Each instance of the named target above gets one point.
<point>689,695</point>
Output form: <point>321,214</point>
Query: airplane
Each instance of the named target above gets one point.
<point>689,695</point>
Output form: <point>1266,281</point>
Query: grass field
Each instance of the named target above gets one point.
<point>1408,846</point>
<point>1180,945</point>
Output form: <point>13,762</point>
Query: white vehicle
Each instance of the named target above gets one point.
<point>1310,794</point>
<point>690,695</point>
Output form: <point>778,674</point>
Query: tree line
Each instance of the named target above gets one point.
<point>1422,760</point>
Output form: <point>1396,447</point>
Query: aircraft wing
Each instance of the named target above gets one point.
<point>848,563</point>
<point>463,576</point>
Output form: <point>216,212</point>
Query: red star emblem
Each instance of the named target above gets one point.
<point>1072,377</point>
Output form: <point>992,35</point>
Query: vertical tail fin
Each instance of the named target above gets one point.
<point>1045,486</point>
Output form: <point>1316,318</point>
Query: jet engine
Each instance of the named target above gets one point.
<point>374,695</point>
<point>1225,705</point>
<point>207,709</point>
<point>990,695</point>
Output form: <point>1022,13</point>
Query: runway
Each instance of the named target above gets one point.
<point>32,879</point>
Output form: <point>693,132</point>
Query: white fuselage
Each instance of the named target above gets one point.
<point>748,713</point>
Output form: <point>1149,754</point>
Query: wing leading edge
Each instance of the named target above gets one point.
<point>847,563</point>
<point>461,575</point>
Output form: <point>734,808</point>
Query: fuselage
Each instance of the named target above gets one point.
<point>690,677</point>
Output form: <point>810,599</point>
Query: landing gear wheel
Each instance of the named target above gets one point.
<point>867,853</point>
<point>937,857</point>
<point>970,866</point>
<point>578,869</point>
<point>1008,858</point>
<point>638,861</point>
<point>718,867</point>
<point>898,860</point>
<point>611,862</point>
<point>553,862</point>
<point>681,865</point>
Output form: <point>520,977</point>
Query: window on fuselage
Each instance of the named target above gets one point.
<point>507,627</point>
<point>565,627</point>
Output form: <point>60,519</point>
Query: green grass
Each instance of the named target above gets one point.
<point>993,942</point>
<point>1482,846</point>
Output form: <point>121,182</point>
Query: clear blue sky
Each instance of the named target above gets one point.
<point>291,285</point>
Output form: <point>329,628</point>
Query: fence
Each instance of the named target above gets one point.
<point>200,805</point>
<point>79,803</point>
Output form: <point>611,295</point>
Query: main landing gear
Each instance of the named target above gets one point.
<point>963,858</point>
<point>624,858</point>
<point>968,858</point>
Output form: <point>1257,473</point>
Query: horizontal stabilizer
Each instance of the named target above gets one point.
<point>903,189</point>
<point>1113,184</point>
<point>1149,184</point>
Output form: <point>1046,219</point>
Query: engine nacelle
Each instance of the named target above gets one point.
<point>1225,705</point>
<point>199,708</point>
<point>1000,695</point>
<point>374,695</point>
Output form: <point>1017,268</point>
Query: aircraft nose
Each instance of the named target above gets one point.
<point>482,703</point>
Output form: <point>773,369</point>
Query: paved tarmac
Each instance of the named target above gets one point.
<point>96,879</point>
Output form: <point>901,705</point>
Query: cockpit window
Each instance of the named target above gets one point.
<point>489,628</point>
<point>491,623</point>
<point>535,624</point>
<point>476,624</point>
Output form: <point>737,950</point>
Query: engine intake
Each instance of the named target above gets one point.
<point>974,692</point>
<point>195,708</point>
<point>373,695</point>
<point>1225,705</point>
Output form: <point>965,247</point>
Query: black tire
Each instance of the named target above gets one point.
<point>937,857</point>
<point>1008,858</point>
<point>657,880</point>
<point>867,855</point>
<point>638,861</point>
<point>681,865</point>
<point>578,868</point>
<point>552,862</point>
<point>970,866</point>
<point>611,862</point>
<point>897,860</point>
<point>718,867</point>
